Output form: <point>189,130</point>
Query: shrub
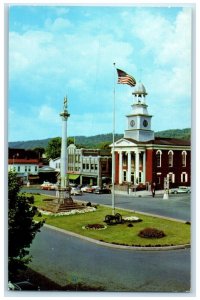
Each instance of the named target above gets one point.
<point>151,233</point>
<point>188,222</point>
<point>130,225</point>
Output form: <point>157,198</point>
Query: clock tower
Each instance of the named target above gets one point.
<point>139,122</point>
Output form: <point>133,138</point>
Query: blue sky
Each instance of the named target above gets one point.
<point>69,50</point>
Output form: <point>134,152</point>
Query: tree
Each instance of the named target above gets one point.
<point>21,226</point>
<point>104,145</point>
<point>39,151</point>
<point>53,148</point>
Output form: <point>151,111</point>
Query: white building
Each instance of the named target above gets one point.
<point>24,167</point>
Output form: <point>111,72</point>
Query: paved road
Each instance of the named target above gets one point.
<point>177,206</point>
<point>64,258</point>
<point>67,259</point>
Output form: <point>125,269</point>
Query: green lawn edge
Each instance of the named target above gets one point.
<point>177,233</point>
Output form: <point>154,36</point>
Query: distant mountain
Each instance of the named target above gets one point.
<point>184,134</point>
<point>94,141</point>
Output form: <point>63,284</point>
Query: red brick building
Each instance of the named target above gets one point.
<point>140,158</point>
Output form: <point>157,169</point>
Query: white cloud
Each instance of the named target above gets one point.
<point>168,44</point>
<point>169,41</point>
<point>48,115</point>
<point>57,25</point>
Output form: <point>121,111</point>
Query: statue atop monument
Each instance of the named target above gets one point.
<point>65,103</point>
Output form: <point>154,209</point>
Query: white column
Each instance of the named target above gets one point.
<point>120,167</point>
<point>144,166</point>
<point>137,163</point>
<point>129,166</point>
<point>63,167</point>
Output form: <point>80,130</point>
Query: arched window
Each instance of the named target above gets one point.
<point>170,158</point>
<point>171,177</point>
<point>184,177</point>
<point>184,154</point>
<point>158,158</point>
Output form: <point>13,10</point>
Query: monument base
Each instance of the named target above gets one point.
<point>62,202</point>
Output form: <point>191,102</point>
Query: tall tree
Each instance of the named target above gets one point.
<point>53,148</point>
<point>21,226</point>
<point>39,151</point>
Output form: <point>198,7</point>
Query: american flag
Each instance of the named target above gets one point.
<point>124,78</point>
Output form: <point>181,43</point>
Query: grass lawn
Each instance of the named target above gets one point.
<point>177,233</point>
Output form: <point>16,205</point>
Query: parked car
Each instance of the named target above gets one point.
<point>23,286</point>
<point>87,189</point>
<point>76,191</point>
<point>181,189</point>
<point>102,191</point>
<point>48,186</point>
<point>53,187</point>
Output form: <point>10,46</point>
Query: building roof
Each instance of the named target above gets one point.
<point>23,161</point>
<point>170,142</point>
<point>163,141</point>
<point>139,89</point>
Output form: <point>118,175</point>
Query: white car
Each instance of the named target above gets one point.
<point>76,191</point>
<point>87,189</point>
<point>181,189</point>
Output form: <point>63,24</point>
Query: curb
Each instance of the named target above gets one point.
<point>134,248</point>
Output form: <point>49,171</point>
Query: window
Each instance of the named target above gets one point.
<point>124,175</point>
<point>158,158</point>
<point>18,169</point>
<point>36,168</point>
<point>25,168</point>
<point>171,177</point>
<point>29,168</point>
<point>184,177</point>
<point>158,178</point>
<point>184,153</point>
<point>140,177</point>
<point>170,158</point>
<point>103,166</point>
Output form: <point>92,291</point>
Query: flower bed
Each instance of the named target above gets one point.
<point>151,233</point>
<point>68,213</point>
<point>95,226</point>
<point>132,219</point>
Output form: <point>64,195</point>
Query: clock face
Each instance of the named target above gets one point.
<point>132,123</point>
<point>145,123</point>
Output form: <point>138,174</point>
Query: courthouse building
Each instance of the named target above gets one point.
<point>141,158</point>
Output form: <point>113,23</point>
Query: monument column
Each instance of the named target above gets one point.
<point>63,161</point>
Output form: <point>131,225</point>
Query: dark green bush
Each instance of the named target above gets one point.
<point>130,225</point>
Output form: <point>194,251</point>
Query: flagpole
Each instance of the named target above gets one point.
<point>113,148</point>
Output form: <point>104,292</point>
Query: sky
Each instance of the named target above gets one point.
<point>57,51</point>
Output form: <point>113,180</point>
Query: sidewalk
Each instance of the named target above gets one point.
<point>139,193</point>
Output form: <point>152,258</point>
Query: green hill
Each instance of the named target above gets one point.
<point>184,134</point>
<point>94,141</point>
